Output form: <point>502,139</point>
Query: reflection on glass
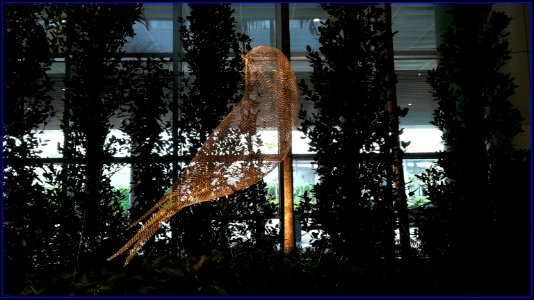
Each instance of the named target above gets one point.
<point>304,22</point>
<point>257,21</point>
<point>415,27</point>
<point>155,36</point>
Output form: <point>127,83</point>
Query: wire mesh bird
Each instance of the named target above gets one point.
<point>234,156</point>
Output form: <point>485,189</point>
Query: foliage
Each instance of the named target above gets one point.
<point>298,192</point>
<point>124,197</point>
<point>248,269</point>
<point>27,84</point>
<point>215,81</point>
<point>417,201</point>
<point>350,132</point>
<point>144,276</point>
<point>75,220</point>
<point>414,186</point>
<point>29,216</point>
<point>92,39</point>
<point>146,83</point>
<point>469,217</point>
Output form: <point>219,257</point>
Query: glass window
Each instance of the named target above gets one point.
<point>415,27</point>
<point>422,139</point>
<point>51,170</point>
<point>50,141</point>
<point>257,21</point>
<point>303,27</point>
<point>422,65</point>
<point>57,67</point>
<point>119,175</point>
<point>271,180</point>
<point>156,35</point>
<point>118,141</point>
<point>414,93</point>
<point>301,143</point>
<point>304,178</point>
<point>412,168</point>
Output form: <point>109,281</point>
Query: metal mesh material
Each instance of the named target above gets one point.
<point>249,143</point>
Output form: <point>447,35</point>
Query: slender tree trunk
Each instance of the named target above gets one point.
<point>289,223</point>
<point>286,167</point>
<point>398,181</point>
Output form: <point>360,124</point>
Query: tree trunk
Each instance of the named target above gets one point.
<point>286,186</point>
<point>398,180</point>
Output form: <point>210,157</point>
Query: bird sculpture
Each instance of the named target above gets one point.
<point>235,155</point>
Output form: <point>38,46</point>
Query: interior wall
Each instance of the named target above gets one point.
<point>520,65</point>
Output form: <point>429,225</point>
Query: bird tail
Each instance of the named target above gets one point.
<point>147,230</point>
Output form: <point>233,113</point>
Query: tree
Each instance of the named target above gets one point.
<point>479,169</point>
<point>147,85</point>
<point>351,132</point>
<point>91,37</point>
<point>29,216</point>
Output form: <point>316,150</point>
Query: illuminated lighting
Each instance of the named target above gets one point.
<point>289,224</point>
<point>316,20</point>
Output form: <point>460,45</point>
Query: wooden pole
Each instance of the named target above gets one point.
<point>286,167</point>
